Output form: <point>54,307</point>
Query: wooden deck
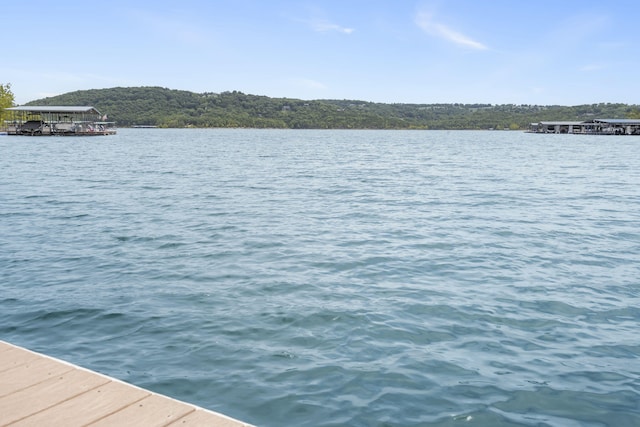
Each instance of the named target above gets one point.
<point>38,390</point>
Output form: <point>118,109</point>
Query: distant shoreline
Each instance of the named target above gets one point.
<point>169,108</point>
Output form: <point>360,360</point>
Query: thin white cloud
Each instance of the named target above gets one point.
<point>322,26</point>
<point>309,84</point>
<point>428,25</point>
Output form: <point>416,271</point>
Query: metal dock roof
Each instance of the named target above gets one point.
<point>629,122</point>
<point>57,109</point>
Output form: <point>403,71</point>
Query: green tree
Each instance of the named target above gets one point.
<point>6,100</point>
<point>633,114</point>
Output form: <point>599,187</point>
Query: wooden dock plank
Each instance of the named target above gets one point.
<point>46,394</point>
<point>86,407</point>
<point>15,357</point>
<point>37,390</point>
<point>152,411</point>
<point>30,373</point>
<point>203,418</point>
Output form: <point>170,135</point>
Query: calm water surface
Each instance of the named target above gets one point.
<point>335,278</point>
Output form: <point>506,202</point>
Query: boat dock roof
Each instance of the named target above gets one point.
<point>38,390</point>
<point>560,123</point>
<point>627,122</point>
<point>55,109</point>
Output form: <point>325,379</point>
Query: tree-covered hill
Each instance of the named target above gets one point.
<point>163,107</point>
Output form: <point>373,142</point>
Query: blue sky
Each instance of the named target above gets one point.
<point>564,52</point>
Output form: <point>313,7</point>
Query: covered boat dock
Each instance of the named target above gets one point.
<point>589,127</point>
<point>57,120</point>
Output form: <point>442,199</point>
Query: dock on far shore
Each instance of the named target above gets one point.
<point>39,390</point>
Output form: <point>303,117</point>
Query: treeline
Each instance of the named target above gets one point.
<point>163,107</point>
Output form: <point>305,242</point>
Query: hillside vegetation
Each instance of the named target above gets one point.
<point>162,107</point>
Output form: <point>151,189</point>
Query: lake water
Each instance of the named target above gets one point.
<point>335,278</point>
